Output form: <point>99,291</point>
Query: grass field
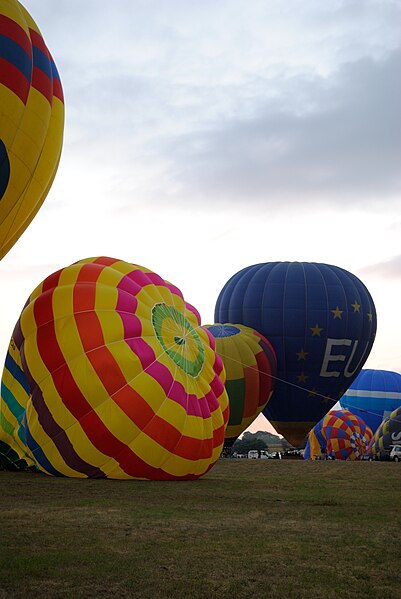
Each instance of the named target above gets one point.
<point>250,528</point>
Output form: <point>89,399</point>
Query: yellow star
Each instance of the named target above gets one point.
<point>370,316</point>
<point>312,392</point>
<point>316,330</point>
<point>356,306</point>
<point>337,312</point>
<point>302,354</point>
<point>302,377</point>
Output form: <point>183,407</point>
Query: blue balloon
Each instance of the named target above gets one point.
<point>373,395</point>
<point>321,321</point>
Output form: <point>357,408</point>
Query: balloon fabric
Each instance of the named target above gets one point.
<point>321,322</point>
<point>31,121</point>
<point>387,435</point>
<point>251,368</point>
<point>373,395</point>
<point>339,435</point>
<point>109,375</point>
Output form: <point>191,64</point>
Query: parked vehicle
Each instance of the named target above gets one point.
<point>395,453</point>
<point>255,454</point>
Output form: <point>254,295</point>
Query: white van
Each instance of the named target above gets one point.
<point>253,454</point>
<point>395,453</point>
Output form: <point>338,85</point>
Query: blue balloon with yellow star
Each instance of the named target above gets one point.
<point>321,322</point>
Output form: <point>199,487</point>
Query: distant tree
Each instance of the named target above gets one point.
<point>259,440</point>
<point>249,441</point>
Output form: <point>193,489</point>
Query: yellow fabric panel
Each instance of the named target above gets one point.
<point>10,115</point>
<point>28,19</point>
<point>14,10</point>
<point>314,446</point>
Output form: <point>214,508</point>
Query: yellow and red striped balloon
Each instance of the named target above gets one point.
<point>31,121</point>
<point>251,369</point>
<point>110,375</point>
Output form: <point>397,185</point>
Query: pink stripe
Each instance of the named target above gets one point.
<point>175,390</point>
<point>194,311</point>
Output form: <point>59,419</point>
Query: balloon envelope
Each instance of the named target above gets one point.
<point>388,434</point>
<point>251,368</point>
<point>109,374</point>
<point>373,395</point>
<point>321,322</point>
<point>31,121</point>
<point>341,435</point>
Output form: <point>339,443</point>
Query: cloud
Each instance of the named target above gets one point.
<point>230,102</point>
<point>389,269</point>
<point>332,139</point>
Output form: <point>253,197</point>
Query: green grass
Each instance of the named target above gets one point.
<point>250,528</point>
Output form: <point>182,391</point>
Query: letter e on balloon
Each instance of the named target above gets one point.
<point>332,357</point>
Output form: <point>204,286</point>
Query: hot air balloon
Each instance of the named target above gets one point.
<point>31,121</point>
<point>373,395</point>
<point>387,435</point>
<point>321,322</point>
<point>340,435</point>
<point>109,374</point>
<point>251,367</point>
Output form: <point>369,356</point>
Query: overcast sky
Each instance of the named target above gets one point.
<point>202,137</point>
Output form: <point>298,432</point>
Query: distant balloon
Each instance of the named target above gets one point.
<point>340,435</point>
<point>251,367</point>
<point>388,434</point>
<point>373,395</point>
<point>321,322</point>
<point>31,121</point>
<point>109,374</point>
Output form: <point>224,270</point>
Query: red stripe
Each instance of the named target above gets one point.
<point>42,83</point>
<point>58,89</point>
<point>52,281</point>
<point>266,380</point>
<point>38,41</point>
<point>11,77</point>
<point>252,391</point>
<point>105,261</point>
<point>15,32</point>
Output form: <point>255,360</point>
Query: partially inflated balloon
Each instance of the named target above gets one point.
<point>31,121</point>
<point>321,322</point>
<point>251,367</point>
<point>340,435</point>
<point>373,395</point>
<point>110,375</point>
<point>388,434</point>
